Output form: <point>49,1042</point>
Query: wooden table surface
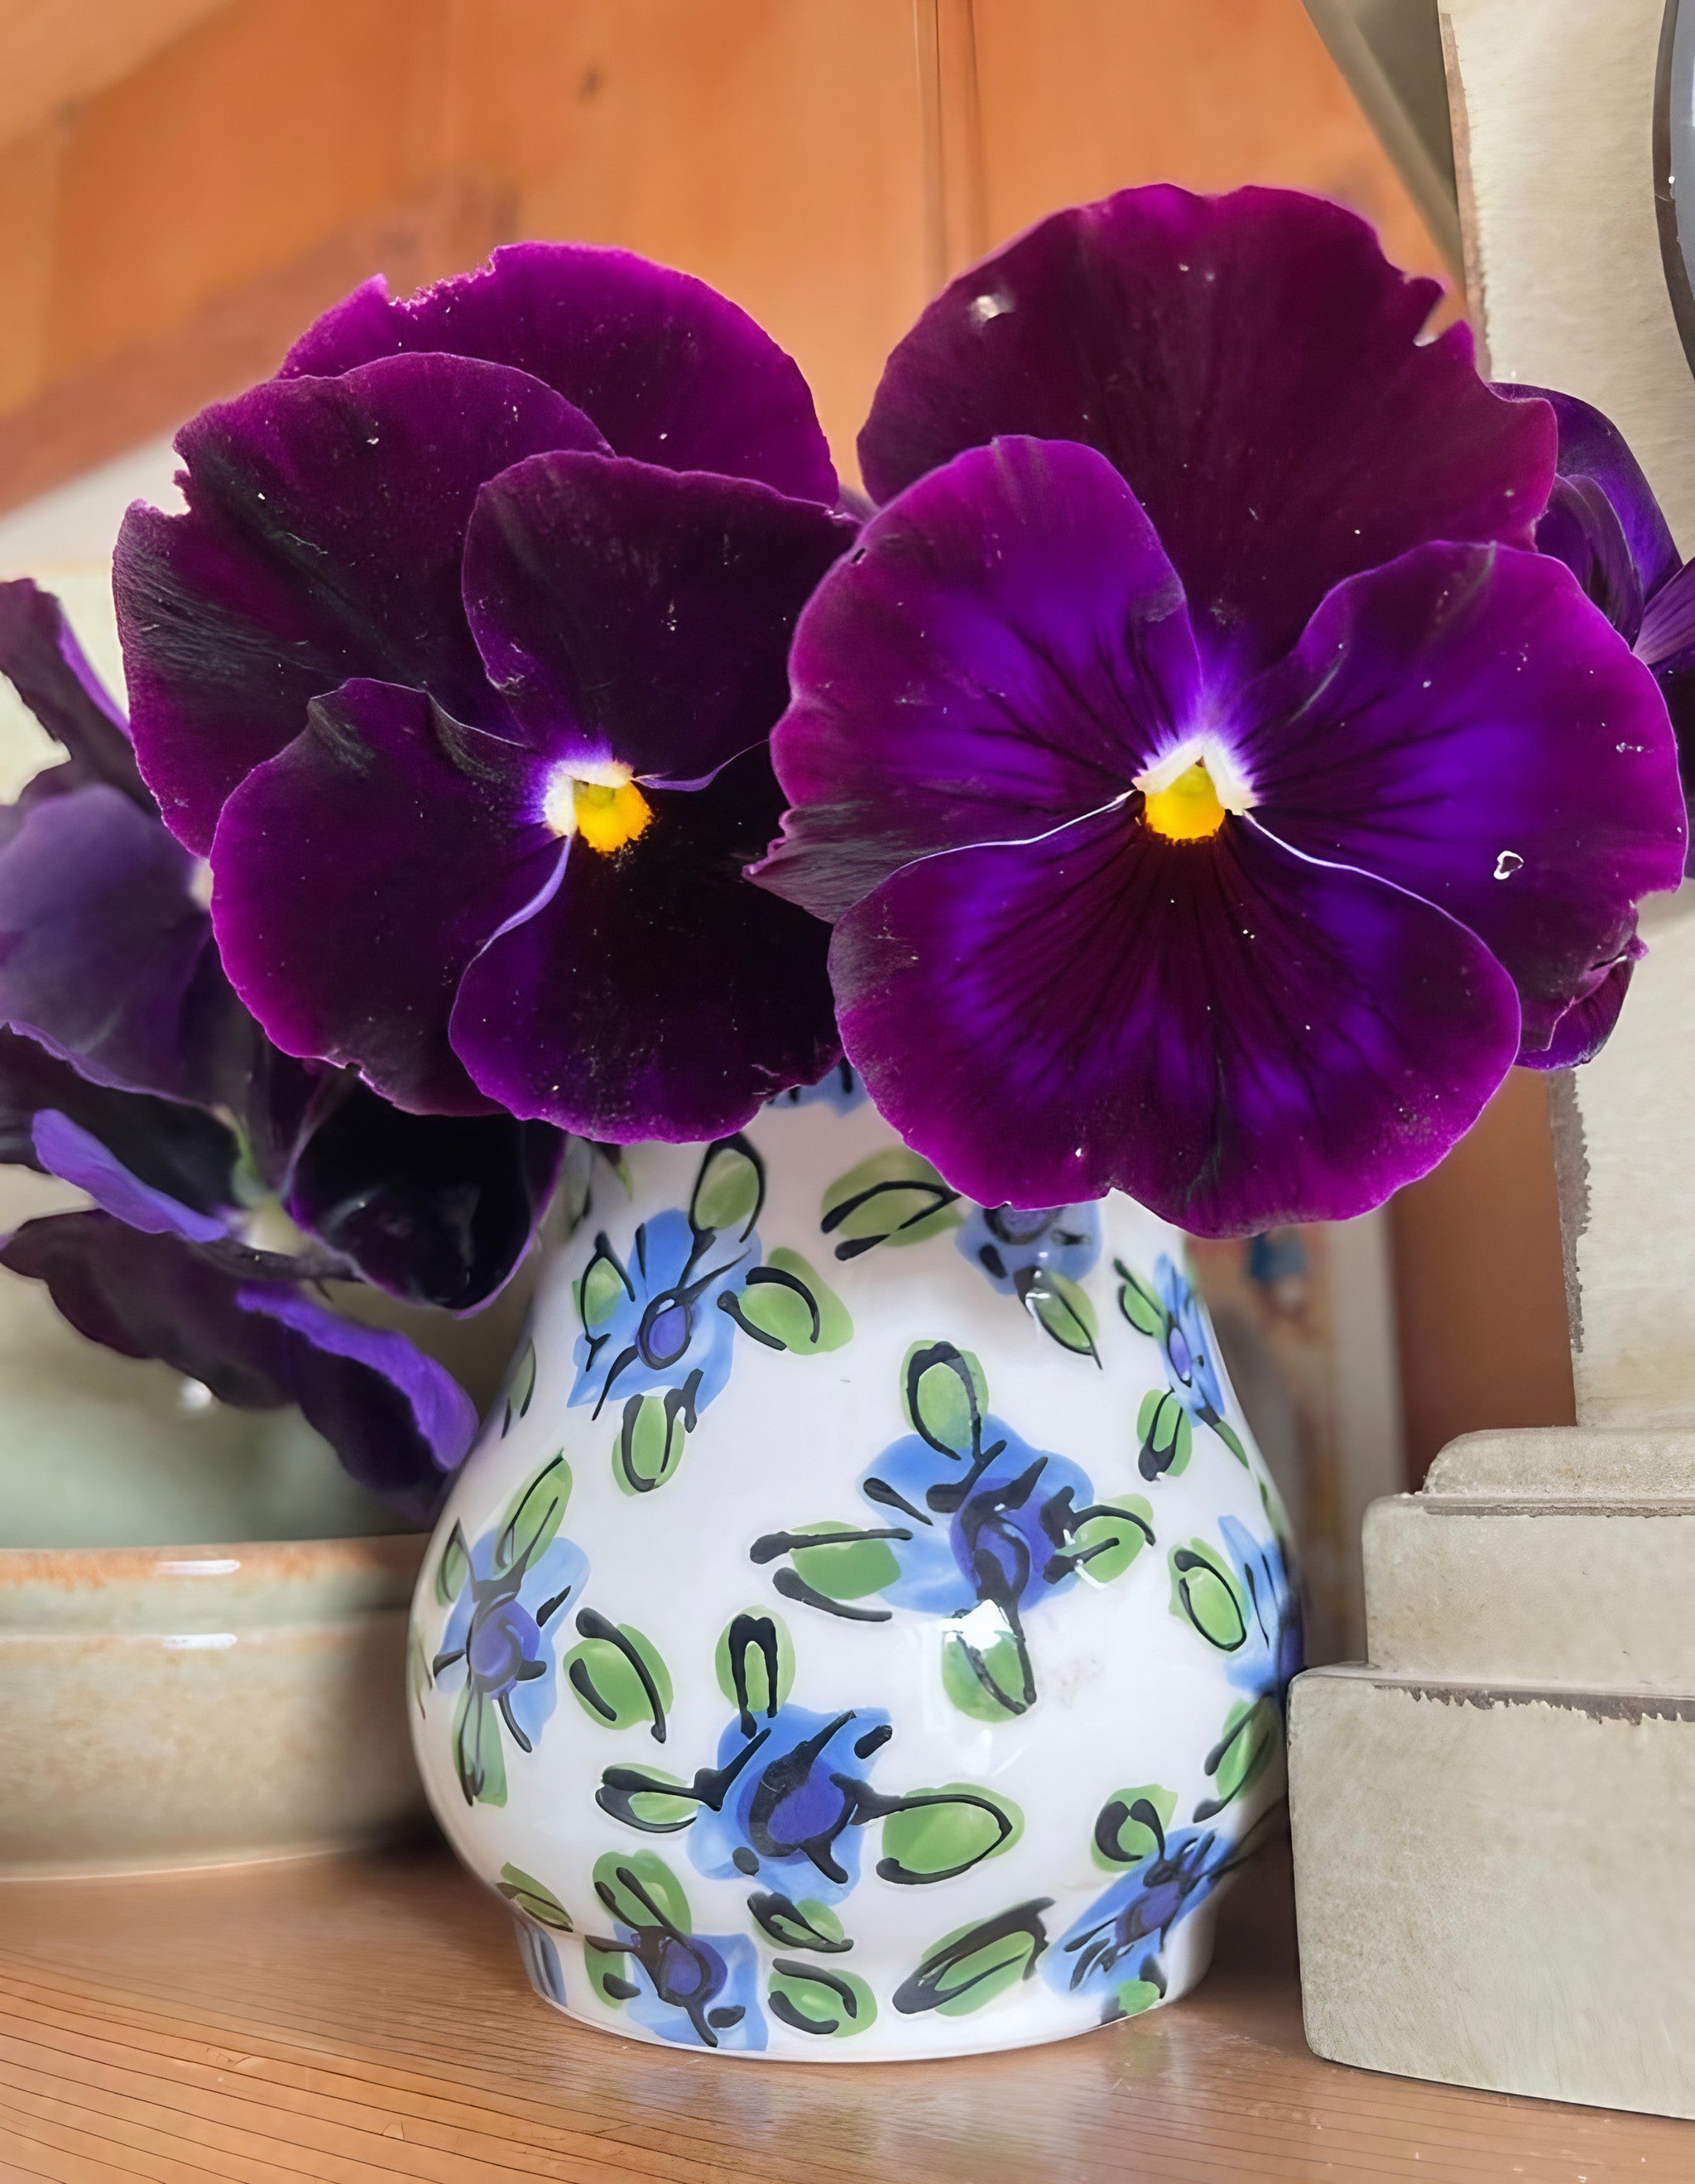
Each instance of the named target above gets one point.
<point>365,2021</point>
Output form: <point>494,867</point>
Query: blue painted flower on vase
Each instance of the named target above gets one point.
<point>659,1327</point>
<point>503,1593</point>
<point>981,1529</point>
<point>694,1989</point>
<point>1114,1950</point>
<point>650,1322</point>
<point>784,1807</point>
<point>1167,1310</point>
<point>1005,1242</point>
<point>792,1804</point>
<point>1041,1258</point>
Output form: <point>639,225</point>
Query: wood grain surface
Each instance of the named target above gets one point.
<point>365,2021</point>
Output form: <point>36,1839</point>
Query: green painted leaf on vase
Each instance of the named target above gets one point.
<point>639,1889</point>
<point>1061,1308</point>
<point>985,1667</point>
<point>1131,1825</point>
<point>1205,1593</point>
<point>1140,1302</point>
<point>807,1924</point>
<point>822,1999</point>
<point>601,1288</point>
<point>533,1520</point>
<point>1108,1540</point>
<point>786,1306</point>
<point>938,1834</point>
<point>1251,1739</point>
<point>895,1197</point>
<point>653,1438</point>
<point>967,1969</point>
<point>945,1393</point>
<point>452,1569</point>
<point>526,1894</point>
<point>754,1661</point>
<point>619,1679</point>
<point>729,1189</point>
<point>846,1563</point>
<point>478,1757</point>
<point>1133,1996</point>
<point>1166,1435</point>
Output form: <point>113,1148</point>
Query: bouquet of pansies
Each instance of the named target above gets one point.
<point>1236,737</point>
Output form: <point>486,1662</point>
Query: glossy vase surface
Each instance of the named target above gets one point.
<point>861,1631</point>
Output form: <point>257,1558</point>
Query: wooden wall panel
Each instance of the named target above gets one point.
<point>776,147</point>
<point>770,146</point>
<point>1082,97</point>
<point>1479,1281</point>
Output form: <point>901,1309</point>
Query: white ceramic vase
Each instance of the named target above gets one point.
<point>861,1631</point>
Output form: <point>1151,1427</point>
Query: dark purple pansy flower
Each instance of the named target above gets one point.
<point>1212,794</point>
<point>129,1069</point>
<point>1604,522</point>
<point>397,1420</point>
<point>462,665</point>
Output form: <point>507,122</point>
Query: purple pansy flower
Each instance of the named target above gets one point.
<point>1604,522</point>
<point>398,1421</point>
<point>462,665</point>
<point>129,1069</point>
<point>1213,793</point>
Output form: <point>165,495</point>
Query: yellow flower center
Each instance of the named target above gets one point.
<point>1188,810</point>
<point>607,813</point>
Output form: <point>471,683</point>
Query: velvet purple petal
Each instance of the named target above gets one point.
<point>105,955</point>
<point>1252,363</point>
<point>1666,639</point>
<point>398,1422</point>
<point>75,1156</point>
<point>437,1209</point>
<point>1233,1036</point>
<point>625,612</point>
<point>48,669</point>
<point>358,873</point>
<point>657,994</point>
<point>1005,649</point>
<point>1595,461</point>
<point>167,1146</point>
<point>401,1424</point>
<point>323,541</point>
<point>1587,1025</point>
<point>670,370</point>
<point>1464,724</point>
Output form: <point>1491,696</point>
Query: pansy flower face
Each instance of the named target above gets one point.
<point>1213,793</point>
<point>460,665</point>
